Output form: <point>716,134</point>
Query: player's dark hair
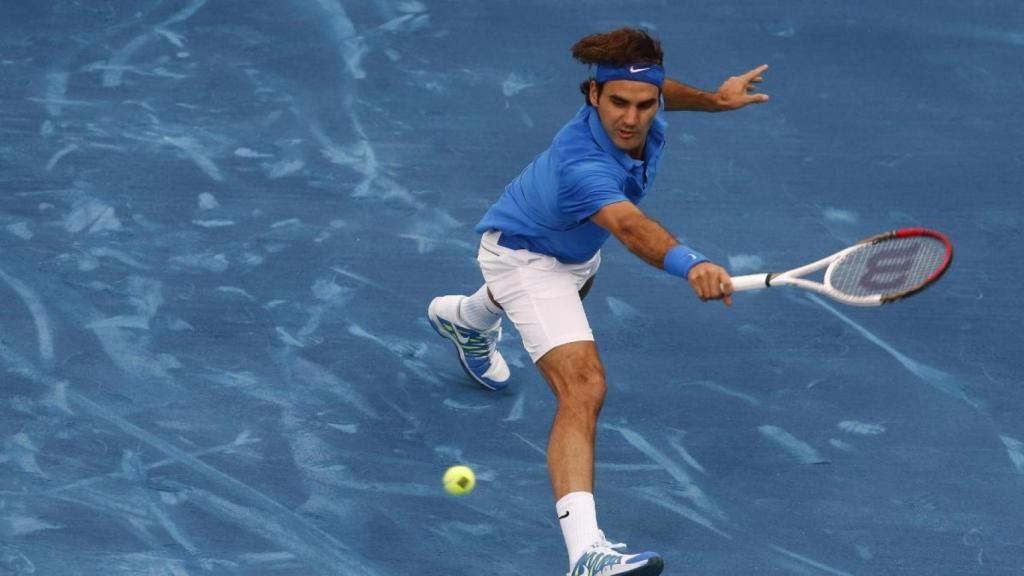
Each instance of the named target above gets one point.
<point>619,47</point>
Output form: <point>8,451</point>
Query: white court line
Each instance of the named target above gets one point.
<point>938,379</point>
<point>810,562</point>
<point>44,333</point>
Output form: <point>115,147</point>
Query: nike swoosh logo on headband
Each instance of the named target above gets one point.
<point>635,70</point>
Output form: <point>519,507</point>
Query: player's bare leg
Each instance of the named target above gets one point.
<point>576,376</point>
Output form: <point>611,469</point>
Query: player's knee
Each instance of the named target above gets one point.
<point>586,390</point>
<point>576,376</point>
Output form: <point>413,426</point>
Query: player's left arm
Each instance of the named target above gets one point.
<point>736,92</point>
<point>651,243</point>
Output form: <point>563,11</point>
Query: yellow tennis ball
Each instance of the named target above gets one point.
<point>459,480</point>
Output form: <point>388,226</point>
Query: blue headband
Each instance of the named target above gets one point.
<point>649,73</point>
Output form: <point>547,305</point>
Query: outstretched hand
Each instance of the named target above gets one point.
<point>711,282</point>
<point>738,91</point>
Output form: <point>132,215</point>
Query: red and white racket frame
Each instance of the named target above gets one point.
<point>794,277</point>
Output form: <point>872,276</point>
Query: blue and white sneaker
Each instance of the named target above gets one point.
<point>478,350</point>
<point>604,559</point>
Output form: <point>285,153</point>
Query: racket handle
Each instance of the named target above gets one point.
<point>749,282</point>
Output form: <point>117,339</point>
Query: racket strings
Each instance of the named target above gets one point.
<point>890,267</point>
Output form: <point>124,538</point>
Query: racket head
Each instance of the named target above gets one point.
<point>890,266</point>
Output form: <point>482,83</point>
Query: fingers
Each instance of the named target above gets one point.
<point>711,282</point>
<point>740,91</point>
<point>750,95</point>
<point>726,284</point>
<point>727,290</point>
<point>755,73</point>
<point>752,79</point>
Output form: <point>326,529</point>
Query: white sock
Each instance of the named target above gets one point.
<point>478,312</point>
<point>577,515</point>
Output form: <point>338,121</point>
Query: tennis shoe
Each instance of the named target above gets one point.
<point>478,349</point>
<point>607,559</point>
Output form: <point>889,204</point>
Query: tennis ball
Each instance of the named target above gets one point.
<point>459,480</point>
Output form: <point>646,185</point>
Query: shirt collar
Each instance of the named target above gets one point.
<point>655,140</point>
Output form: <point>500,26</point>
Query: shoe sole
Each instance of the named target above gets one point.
<point>652,568</point>
<point>436,324</point>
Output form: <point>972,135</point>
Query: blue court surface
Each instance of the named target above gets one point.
<point>221,224</point>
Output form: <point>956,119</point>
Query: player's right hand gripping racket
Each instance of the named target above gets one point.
<point>872,272</point>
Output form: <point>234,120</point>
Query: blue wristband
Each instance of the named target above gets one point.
<point>680,259</point>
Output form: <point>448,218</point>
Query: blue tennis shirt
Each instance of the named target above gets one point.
<point>547,208</point>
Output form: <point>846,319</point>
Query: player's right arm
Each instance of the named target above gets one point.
<point>651,243</point>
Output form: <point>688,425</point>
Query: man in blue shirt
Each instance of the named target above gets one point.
<point>540,249</point>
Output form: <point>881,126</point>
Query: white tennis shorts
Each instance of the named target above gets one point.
<point>538,293</point>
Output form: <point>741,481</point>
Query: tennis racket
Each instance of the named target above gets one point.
<point>872,272</point>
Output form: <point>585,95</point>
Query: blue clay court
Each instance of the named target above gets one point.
<point>221,224</point>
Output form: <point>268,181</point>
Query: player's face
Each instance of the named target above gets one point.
<point>627,110</point>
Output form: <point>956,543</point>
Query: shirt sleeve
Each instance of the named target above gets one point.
<point>586,186</point>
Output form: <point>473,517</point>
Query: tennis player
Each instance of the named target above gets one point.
<point>540,249</point>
